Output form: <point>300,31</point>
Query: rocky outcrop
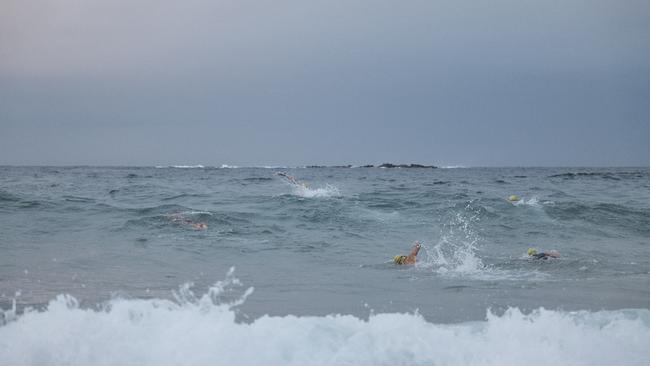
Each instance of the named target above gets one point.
<point>390,165</point>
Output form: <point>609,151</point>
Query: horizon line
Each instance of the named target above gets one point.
<point>310,166</point>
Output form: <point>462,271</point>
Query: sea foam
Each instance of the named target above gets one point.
<point>204,331</point>
<point>327,191</point>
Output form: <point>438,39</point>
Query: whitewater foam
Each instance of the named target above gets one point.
<point>533,201</point>
<point>327,191</point>
<point>204,331</point>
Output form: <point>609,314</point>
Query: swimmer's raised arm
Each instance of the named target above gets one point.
<point>291,179</point>
<point>408,259</point>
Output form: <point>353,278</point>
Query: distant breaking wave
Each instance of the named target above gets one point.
<point>181,166</point>
<point>203,331</point>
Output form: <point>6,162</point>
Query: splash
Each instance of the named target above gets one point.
<point>327,191</point>
<point>302,189</point>
<point>455,252</point>
<point>533,201</point>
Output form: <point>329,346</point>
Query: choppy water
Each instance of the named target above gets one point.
<point>119,242</point>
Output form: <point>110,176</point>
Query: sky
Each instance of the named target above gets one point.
<point>253,83</point>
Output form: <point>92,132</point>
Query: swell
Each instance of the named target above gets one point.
<point>8,197</point>
<point>11,201</point>
<point>602,175</point>
<point>183,195</point>
<point>603,214</point>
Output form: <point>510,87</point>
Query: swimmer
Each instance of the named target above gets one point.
<point>408,259</point>
<point>182,220</point>
<point>291,179</point>
<point>532,252</point>
<point>200,225</point>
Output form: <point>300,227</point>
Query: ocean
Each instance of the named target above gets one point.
<point>194,265</point>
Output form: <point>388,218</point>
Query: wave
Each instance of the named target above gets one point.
<point>8,197</point>
<point>603,175</point>
<point>603,215</point>
<point>79,199</point>
<point>182,195</point>
<point>13,201</point>
<point>204,330</point>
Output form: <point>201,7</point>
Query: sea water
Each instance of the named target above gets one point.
<point>105,266</point>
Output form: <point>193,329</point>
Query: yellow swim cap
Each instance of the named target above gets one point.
<point>513,198</point>
<point>532,251</point>
<point>399,259</point>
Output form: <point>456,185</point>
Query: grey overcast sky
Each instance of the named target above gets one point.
<point>244,82</point>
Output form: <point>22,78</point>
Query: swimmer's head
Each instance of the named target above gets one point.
<point>399,259</point>
<point>513,198</point>
<point>532,251</point>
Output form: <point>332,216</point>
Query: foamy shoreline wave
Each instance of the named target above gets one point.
<point>204,331</point>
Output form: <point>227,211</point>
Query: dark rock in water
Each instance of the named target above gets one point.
<point>389,165</point>
<point>384,165</point>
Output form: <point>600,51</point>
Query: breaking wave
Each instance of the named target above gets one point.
<point>204,330</point>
